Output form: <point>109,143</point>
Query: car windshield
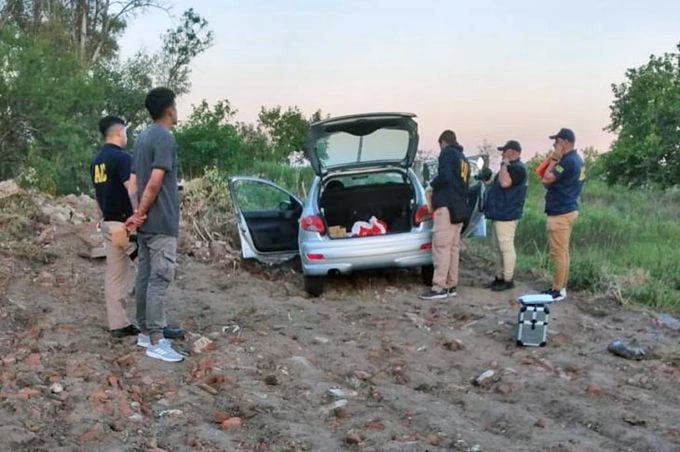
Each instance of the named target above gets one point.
<point>382,145</point>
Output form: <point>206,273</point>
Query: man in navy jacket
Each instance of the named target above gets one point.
<point>449,202</point>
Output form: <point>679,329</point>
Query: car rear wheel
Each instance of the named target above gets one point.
<point>426,273</point>
<point>314,285</point>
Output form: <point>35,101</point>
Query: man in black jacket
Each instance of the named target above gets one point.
<point>449,202</point>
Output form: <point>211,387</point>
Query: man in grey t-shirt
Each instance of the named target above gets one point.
<point>157,220</point>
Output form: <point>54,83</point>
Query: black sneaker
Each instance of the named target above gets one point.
<point>129,330</point>
<point>503,285</point>
<point>430,294</point>
<point>496,282</point>
<point>557,295</point>
<point>452,291</point>
<point>174,332</point>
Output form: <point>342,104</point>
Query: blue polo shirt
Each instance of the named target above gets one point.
<point>562,195</point>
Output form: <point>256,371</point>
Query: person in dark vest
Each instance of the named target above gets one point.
<point>504,205</point>
<point>563,179</point>
<point>449,203</point>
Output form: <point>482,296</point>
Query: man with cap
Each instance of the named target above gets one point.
<point>563,180</point>
<point>505,205</point>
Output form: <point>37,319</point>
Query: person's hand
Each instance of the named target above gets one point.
<point>556,155</point>
<point>505,162</point>
<point>135,221</point>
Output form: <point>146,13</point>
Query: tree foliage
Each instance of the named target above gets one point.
<point>646,116</point>
<point>52,94</point>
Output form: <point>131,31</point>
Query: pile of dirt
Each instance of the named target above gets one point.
<point>29,221</point>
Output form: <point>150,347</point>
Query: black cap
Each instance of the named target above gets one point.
<point>511,144</point>
<point>565,134</point>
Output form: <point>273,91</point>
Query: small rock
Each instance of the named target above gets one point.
<point>271,380</point>
<point>321,340</point>
<point>594,390</point>
<point>634,420</point>
<point>485,379</point>
<point>46,279</point>
<point>232,423</point>
<point>540,423</point>
<point>352,438</point>
<point>334,406</point>
<point>505,389</point>
<point>202,344</point>
<point>340,393</point>
<point>147,380</point>
<point>454,345</point>
<point>668,321</point>
<point>137,417</point>
<point>619,348</point>
<point>33,360</point>
<point>165,413</point>
<point>362,375</point>
<point>434,440</point>
<point>57,388</point>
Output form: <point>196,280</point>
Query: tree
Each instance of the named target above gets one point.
<point>180,46</point>
<point>285,130</point>
<point>90,27</point>
<point>490,153</point>
<point>51,101</point>
<point>646,116</point>
<point>208,139</point>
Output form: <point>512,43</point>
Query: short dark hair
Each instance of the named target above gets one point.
<point>158,100</point>
<point>448,137</point>
<point>107,122</point>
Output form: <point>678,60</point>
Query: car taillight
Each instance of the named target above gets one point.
<point>313,223</point>
<point>422,214</point>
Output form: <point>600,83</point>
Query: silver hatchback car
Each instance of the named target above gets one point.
<point>366,207</point>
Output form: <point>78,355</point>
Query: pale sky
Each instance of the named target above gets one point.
<point>493,70</point>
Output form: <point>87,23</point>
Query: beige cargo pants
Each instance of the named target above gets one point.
<point>118,278</point>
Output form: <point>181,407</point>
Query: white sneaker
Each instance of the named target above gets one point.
<point>143,340</point>
<point>164,351</point>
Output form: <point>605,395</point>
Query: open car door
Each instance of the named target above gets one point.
<point>267,218</point>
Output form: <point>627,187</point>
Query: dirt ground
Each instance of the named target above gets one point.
<point>405,367</point>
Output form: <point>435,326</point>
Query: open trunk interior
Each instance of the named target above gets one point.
<point>391,202</point>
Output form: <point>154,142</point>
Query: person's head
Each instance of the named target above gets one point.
<point>113,130</point>
<point>564,140</point>
<point>511,150</point>
<point>447,138</point>
<point>160,102</point>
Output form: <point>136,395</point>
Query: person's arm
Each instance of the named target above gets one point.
<point>131,187</point>
<point>447,166</point>
<point>561,170</point>
<point>504,175</point>
<point>550,175</point>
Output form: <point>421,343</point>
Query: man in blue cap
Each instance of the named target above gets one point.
<point>505,205</point>
<point>563,180</point>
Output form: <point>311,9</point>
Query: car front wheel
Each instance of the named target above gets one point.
<point>314,285</point>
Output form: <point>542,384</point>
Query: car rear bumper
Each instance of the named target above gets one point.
<point>321,257</point>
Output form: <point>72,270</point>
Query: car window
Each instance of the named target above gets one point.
<point>357,180</point>
<point>258,197</point>
<point>382,145</point>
